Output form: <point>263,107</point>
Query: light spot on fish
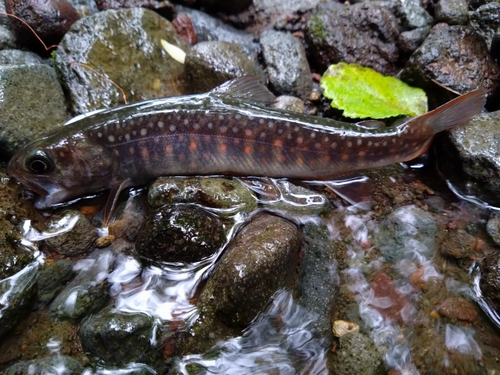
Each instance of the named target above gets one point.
<point>186,121</point>
<point>261,121</point>
<point>221,117</point>
<point>237,116</point>
<point>172,127</point>
<point>144,131</point>
<point>127,137</point>
<point>300,140</point>
<point>287,124</point>
<point>317,145</point>
<point>263,135</point>
<point>333,145</point>
<point>150,124</point>
<point>359,141</point>
<point>349,144</point>
<point>117,125</point>
<point>326,139</point>
<point>111,138</point>
<point>313,134</point>
<point>210,125</point>
<point>235,129</point>
<point>99,134</point>
<point>270,124</point>
<point>384,143</point>
<point>223,129</point>
<point>134,133</point>
<point>196,126</point>
<point>160,124</point>
<point>248,132</point>
<point>369,143</point>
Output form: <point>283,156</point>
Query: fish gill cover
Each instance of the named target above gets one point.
<point>362,92</point>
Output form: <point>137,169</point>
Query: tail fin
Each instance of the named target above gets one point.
<point>458,111</point>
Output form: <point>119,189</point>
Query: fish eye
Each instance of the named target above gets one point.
<point>39,163</point>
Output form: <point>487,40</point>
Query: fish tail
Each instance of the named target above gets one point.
<point>456,112</point>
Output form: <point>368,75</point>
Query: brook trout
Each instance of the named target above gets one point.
<point>227,131</point>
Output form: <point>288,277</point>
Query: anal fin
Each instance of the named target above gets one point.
<point>114,194</point>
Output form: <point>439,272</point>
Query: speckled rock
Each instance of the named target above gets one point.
<point>18,57</point>
<point>453,12</point>
<point>163,8</point>
<point>456,57</point>
<point>120,338</point>
<point>123,46</point>
<point>458,244</point>
<point>78,240</point>
<point>228,195</point>
<point>357,354</point>
<point>409,41</point>
<point>48,365</point>
<point>471,161</point>
<point>456,308</point>
<point>412,14</point>
<point>286,62</point>
<point>408,232</point>
<point>88,292</point>
<point>490,280</point>
<point>289,103</point>
<point>46,109</point>
<point>183,233</point>
<point>50,20</point>
<point>7,36</point>
<point>369,33</point>
<point>210,64</point>
<point>260,260</point>
<point>291,6</point>
<point>52,279</point>
<point>319,279</point>
<point>208,28</point>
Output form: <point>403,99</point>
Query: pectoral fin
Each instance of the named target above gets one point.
<point>114,194</point>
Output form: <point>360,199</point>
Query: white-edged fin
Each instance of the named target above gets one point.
<point>458,111</point>
<point>114,194</point>
<point>246,88</point>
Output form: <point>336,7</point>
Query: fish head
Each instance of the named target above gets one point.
<point>59,168</point>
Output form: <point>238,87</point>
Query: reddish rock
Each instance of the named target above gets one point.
<point>184,28</point>
<point>458,309</point>
<point>49,19</point>
<point>389,302</point>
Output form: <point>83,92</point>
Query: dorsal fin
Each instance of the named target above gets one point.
<point>247,88</point>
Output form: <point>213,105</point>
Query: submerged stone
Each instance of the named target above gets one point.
<point>52,279</point>
<point>490,280</point>
<point>56,364</point>
<point>407,233</point>
<point>118,338</point>
<point>182,233</point>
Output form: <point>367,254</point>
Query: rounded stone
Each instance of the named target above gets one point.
<point>182,233</point>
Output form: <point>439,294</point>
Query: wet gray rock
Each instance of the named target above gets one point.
<point>7,36</point>
<point>453,12</point>
<point>486,21</point>
<point>412,14</point>
<point>84,7</point>
<point>286,62</point>
<point>32,104</point>
<point>210,64</point>
<point>120,338</point>
<point>52,279</point>
<point>88,292</point>
<point>16,294</point>
<point>78,240</point>
<point>50,20</point>
<point>408,232</point>
<point>289,103</point>
<point>454,56</point>
<point>227,195</point>
<point>234,6</point>
<point>369,33</point>
<point>260,260</point>
<point>48,365</point>
<point>490,280</point>
<point>124,47</point>
<point>291,6</point>
<point>409,41</point>
<point>208,28</point>
<point>183,233</point>
<point>493,227</point>
<point>319,279</point>
<point>18,57</point>
<point>471,161</point>
<point>357,354</point>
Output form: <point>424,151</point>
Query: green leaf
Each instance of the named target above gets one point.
<point>362,92</point>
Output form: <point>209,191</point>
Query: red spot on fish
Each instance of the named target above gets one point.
<point>281,158</point>
<point>345,157</point>
<point>278,143</point>
<point>144,152</point>
<point>223,148</point>
<point>361,153</point>
<point>131,150</point>
<point>193,146</point>
<point>169,149</point>
<point>182,157</point>
<point>248,133</point>
<point>181,137</point>
<point>299,161</point>
<point>236,141</point>
<point>262,148</point>
<point>248,149</point>
<point>207,138</point>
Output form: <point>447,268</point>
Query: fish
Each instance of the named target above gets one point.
<point>230,130</point>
